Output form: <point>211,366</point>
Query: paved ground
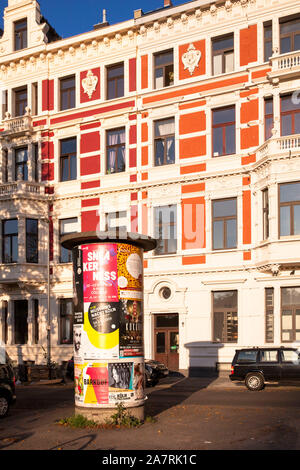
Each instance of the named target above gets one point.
<point>190,413</point>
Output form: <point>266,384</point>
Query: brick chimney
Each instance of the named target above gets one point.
<point>167,3</point>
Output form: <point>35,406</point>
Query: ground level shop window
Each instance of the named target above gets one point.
<point>290,314</point>
<point>225,320</point>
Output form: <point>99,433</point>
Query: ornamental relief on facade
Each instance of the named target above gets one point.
<point>191,58</point>
<point>89,84</point>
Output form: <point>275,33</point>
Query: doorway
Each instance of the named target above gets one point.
<point>166,334</point>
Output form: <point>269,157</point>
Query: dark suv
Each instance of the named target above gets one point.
<point>259,365</point>
<point>7,386</point>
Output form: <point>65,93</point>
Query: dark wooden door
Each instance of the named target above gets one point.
<point>167,340</point>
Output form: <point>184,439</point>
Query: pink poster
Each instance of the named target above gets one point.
<point>99,382</point>
<point>100,273</point>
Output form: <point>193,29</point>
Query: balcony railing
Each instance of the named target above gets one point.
<point>20,187</point>
<point>277,145</point>
<point>285,64</point>
<point>17,125</point>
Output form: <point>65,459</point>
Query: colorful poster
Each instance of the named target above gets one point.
<point>77,286</point>
<point>131,328</point>
<point>108,383</point>
<point>100,273</point>
<point>130,272</point>
<point>77,341</point>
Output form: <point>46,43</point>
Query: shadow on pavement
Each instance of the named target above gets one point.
<point>6,442</point>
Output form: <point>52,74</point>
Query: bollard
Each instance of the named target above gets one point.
<point>108,322</point>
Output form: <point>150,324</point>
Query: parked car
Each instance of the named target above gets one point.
<point>7,386</point>
<point>257,366</point>
<point>70,368</point>
<point>161,369</point>
<point>151,376</point>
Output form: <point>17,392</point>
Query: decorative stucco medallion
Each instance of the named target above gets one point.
<point>191,58</point>
<point>89,83</point>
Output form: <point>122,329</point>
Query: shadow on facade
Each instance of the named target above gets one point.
<point>179,386</point>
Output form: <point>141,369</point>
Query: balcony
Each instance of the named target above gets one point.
<point>21,187</point>
<point>285,65</point>
<point>279,145</point>
<point>17,126</point>
<point>22,274</point>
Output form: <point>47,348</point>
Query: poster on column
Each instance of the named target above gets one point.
<point>108,383</point>
<point>101,302</point>
<point>130,285</point>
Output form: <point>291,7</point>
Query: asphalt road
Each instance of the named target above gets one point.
<point>190,413</point>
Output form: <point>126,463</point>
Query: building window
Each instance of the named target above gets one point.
<point>223,131</point>
<point>223,54</point>
<point>21,101</point>
<point>35,149</point>
<point>32,241</point>
<point>269,296</point>
<point>116,221</point>
<point>289,35</point>
<point>35,321</point>
<point>10,241</point>
<point>268,43</point>
<point>66,321</point>
<point>290,314</point>
<point>265,196</point>
<point>269,118</point>
<point>21,321</point>
<point>34,99</point>
<point>163,69</point>
<point>225,319</point>
<point>4,103</point>
<point>66,227</point>
<point>68,159</point>
<point>5,166</point>
<point>21,164</point>
<point>67,93</point>
<point>115,81</point>
<point>115,150</point>
<point>289,204</point>
<point>20,34</point>
<point>5,320</point>
<point>290,115</point>
<point>164,143</point>
<point>224,224</point>
<point>165,229</point>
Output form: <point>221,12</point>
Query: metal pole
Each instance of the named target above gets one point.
<point>48,306</point>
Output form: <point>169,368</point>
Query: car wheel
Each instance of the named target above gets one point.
<point>4,406</point>
<point>254,382</point>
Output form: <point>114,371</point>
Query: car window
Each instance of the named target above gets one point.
<point>247,356</point>
<point>268,356</point>
<point>290,356</point>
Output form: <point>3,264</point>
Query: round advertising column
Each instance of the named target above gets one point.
<point>108,322</point>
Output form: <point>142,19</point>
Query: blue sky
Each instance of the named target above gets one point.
<point>71,17</point>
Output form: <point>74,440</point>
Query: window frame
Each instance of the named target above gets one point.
<point>268,116</point>
<point>23,32</point>
<point>164,139</point>
<point>63,318</point>
<point>164,67</point>
<point>116,146</point>
<point>161,228</point>
<point>35,237</point>
<point>268,25</point>
<point>10,236</point>
<point>71,101</point>
<point>291,113</point>
<point>225,219</point>
<point>266,213</point>
<point>290,35</point>
<point>115,80</point>
<point>224,135</point>
<point>222,52</point>
<point>23,165</point>
<point>69,157</point>
<point>286,204</point>
<point>20,104</point>
<point>67,253</point>
<point>293,308</point>
<point>269,316</point>
<point>118,216</point>
<point>225,311</point>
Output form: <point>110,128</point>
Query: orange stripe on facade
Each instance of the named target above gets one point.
<point>144,71</point>
<point>194,104</point>
<point>197,89</point>
<point>246,217</point>
<point>192,188</point>
<point>186,260</point>
<point>185,170</point>
<point>261,73</point>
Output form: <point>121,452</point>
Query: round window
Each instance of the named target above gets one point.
<point>165,293</point>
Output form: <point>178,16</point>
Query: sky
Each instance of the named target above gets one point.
<point>72,17</point>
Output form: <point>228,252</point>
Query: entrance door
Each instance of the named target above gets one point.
<point>167,340</point>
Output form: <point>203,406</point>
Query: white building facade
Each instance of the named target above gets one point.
<point>182,124</point>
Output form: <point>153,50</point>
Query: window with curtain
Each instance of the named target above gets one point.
<point>290,115</point>
<point>223,131</point>
<point>269,117</point>
<point>269,298</point>
<point>163,69</point>
<point>165,229</point>
<point>21,164</point>
<point>223,54</point>
<point>66,321</point>
<point>68,159</point>
<point>115,150</point>
<point>268,41</point>
<point>66,227</point>
<point>224,223</point>
<point>164,144</point>
<point>10,241</point>
<point>115,81</point>
<point>21,101</point>
<point>67,93</point>
<point>289,35</point>
<point>265,196</point>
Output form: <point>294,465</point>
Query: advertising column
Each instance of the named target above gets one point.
<point>108,327</point>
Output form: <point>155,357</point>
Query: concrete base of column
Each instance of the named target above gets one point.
<point>102,415</point>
